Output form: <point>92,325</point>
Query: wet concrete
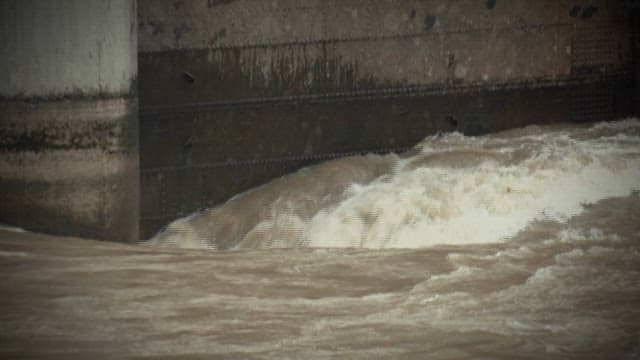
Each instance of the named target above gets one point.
<point>71,167</point>
<point>69,118</point>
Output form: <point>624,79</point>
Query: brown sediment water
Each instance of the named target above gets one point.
<point>522,244</point>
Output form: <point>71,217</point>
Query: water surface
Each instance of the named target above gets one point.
<point>524,244</point>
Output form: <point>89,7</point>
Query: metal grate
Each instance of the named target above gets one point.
<point>595,54</point>
<point>592,50</point>
<point>592,103</point>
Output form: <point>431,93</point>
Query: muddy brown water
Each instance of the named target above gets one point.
<point>561,281</point>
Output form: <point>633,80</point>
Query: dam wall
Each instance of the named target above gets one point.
<point>234,93</point>
<point>68,118</point>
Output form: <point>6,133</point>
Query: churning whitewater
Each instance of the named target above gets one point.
<point>518,245</point>
<point>450,189</point>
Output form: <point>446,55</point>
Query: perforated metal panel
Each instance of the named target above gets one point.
<point>600,52</point>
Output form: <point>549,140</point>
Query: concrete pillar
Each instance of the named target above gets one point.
<point>68,117</point>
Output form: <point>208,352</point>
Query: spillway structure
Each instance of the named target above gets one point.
<point>236,93</point>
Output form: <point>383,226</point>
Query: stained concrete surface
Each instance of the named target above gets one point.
<point>69,47</point>
<point>71,167</point>
<point>69,118</point>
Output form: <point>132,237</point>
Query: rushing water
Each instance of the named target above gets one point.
<point>450,189</point>
<point>522,244</point>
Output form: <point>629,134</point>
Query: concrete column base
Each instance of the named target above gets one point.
<point>70,167</point>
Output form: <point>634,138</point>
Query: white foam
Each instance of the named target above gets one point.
<point>455,190</point>
<point>487,202</point>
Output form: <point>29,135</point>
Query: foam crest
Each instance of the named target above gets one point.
<point>451,189</point>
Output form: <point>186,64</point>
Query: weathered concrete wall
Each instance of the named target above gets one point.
<point>67,47</point>
<point>243,49</point>
<point>68,117</point>
<point>236,92</point>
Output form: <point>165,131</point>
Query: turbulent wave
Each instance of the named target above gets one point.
<point>549,217</point>
<point>450,189</point>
